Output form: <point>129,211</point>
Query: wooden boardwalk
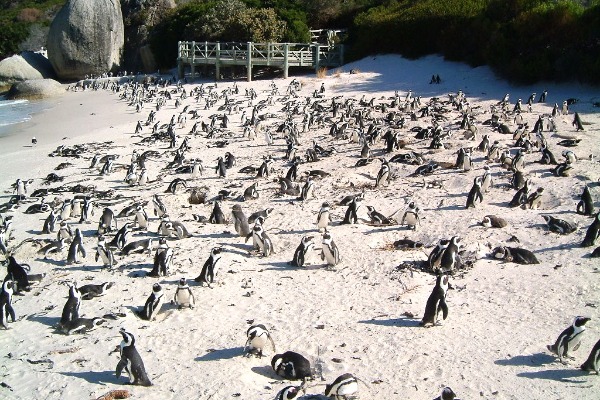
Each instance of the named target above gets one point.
<point>280,55</point>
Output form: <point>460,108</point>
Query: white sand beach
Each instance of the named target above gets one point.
<point>361,316</point>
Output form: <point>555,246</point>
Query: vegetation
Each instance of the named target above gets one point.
<point>523,40</point>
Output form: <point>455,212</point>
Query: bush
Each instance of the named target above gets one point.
<point>29,15</point>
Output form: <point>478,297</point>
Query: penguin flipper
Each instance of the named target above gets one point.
<point>83,253</point>
<point>122,364</point>
<point>444,308</point>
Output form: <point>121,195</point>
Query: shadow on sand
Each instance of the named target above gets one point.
<point>221,354</point>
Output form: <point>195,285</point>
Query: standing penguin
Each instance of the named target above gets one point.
<point>323,217</point>
<point>121,237</point>
<point>6,309</point>
<point>384,174</point>
<point>436,302</point>
<point>577,122</point>
<point>329,250</point>
<point>258,335</point>
<point>308,189</point>
<point>159,207</point>
<point>299,255</point>
<point>592,233</point>
<point>240,221</point>
<point>131,361</point>
<point>288,393</point>
<point>221,168</point>
<point>411,216</point>
<point>486,180</point>
<point>217,216</point>
<point>141,218</point>
<point>183,295</point>
<point>450,258</point>
<point>262,239</point>
<point>76,248</point>
<point>593,361</point>
<point>586,205</point>
<point>108,222</point>
<point>162,261</point>
<point>344,385</point>
<point>351,216</point>
<point>71,308</point>
<point>153,303</point>
<point>569,339</point>
<point>447,394</point>
<point>475,193</point>
<point>50,222</point>
<point>210,268</point>
<point>291,365</point>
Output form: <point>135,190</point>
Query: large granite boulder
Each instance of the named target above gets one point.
<point>35,89</point>
<point>28,65</point>
<point>86,38</point>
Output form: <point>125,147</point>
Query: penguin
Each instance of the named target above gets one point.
<point>263,170</point>
<point>595,253</point>
<point>17,273</point>
<point>159,206</point>
<point>6,308</point>
<point>378,218</point>
<point>518,162</point>
<point>577,122</point>
<point>323,217</point>
<point>548,156</point>
<point>592,233</point>
<point>183,295</point>
<point>50,222</point>
<point>92,290</point>
<point>120,239</point>
<point>411,216</point>
<point>258,336</point>
<point>593,361</point>
<point>131,361</point>
<point>64,231</point>
<point>153,303</point>
<point>436,302</point>
<point>262,214</point>
<point>329,250</point>
<point>55,246</point>
<point>569,339</point>
<point>107,168</point>
<point>141,218</point>
<point>71,307</point>
<point>435,257</point>
<point>384,174</point>
<point>221,168</point>
<point>230,160</point>
<point>475,193</point>
<point>175,185</point>
<point>291,365</point>
<point>450,258</point>
<point>210,269</point>
<point>81,325</point>
<point>447,394</point>
<point>351,216</point>
<point>308,189</point>
<point>139,246</point>
<point>534,200</point>
<point>240,221</point>
<point>108,222</point>
<point>217,216</point>
<point>162,262</point>
<point>20,189</point>
<point>251,193</point>
<point>76,248</point>
<point>493,221</point>
<point>558,225</point>
<point>306,244</point>
<point>344,385</point>
<point>586,204</point>
<point>177,228</point>
<point>407,244</point>
<point>262,239</point>
<point>515,254</point>
<point>288,393</point>
<point>520,198</point>
<point>105,253</point>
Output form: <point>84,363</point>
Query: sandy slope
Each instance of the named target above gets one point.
<point>351,319</point>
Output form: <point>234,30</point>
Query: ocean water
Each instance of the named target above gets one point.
<point>14,112</point>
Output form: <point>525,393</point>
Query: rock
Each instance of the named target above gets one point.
<point>86,38</point>
<point>26,66</point>
<point>35,89</point>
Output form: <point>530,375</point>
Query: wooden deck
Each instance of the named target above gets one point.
<point>280,55</point>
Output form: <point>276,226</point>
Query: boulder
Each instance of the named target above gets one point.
<point>26,66</point>
<point>35,89</point>
<point>86,38</point>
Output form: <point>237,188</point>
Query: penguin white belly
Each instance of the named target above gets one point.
<point>329,256</point>
<point>323,220</point>
<point>142,222</point>
<point>347,389</point>
<point>259,341</point>
<point>184,298</point>
<point>156,307</point>
<point>410,219</point>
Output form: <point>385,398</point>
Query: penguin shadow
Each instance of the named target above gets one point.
<point>97,377</point>
<point>242,248</point>
<point>221,354</point>
<point>296,232</point>
<point>138,270</point>
<point>453,207</point>
<point>56,263</point>
<point>267,372</point>
<point>537,359</point>
<point>80,267</point>
<point>221,235</point>
<point>50,322</point>
<point>386,228</point>
<point>559,375</point>
<point>403,322</point>
<point>565,246</point>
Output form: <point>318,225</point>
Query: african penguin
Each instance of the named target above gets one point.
<point>153,303</point>
<point>71,307</point>
<point>344,385</point>
<point>592,232</point>
<point>131,361</point>
<point>569,339</point>
<point>593,361</point>
<point>6,308</point>
<point>80,325</point>
<point>183,295</point>
<point>299,255</point>
<point>76,248</point>
<point>436,302</point>
<point>329,250</point>
<point>210,269</point>
<point>514,254</point>
<point>258,336</point>
<point>291,365</point>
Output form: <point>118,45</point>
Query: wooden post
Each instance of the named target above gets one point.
<point>218,62</point>
<point>193,64</point>
<point>317,55</point>
<point>249,62</point>
<point>286,49</point>
<point>341,54</point>
<point>179,61</point>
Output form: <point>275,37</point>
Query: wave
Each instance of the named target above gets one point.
<point>5,103</point>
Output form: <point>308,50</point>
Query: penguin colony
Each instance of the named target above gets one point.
<point>398,150</point>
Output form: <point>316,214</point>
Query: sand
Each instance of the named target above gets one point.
<point>360,317</point>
